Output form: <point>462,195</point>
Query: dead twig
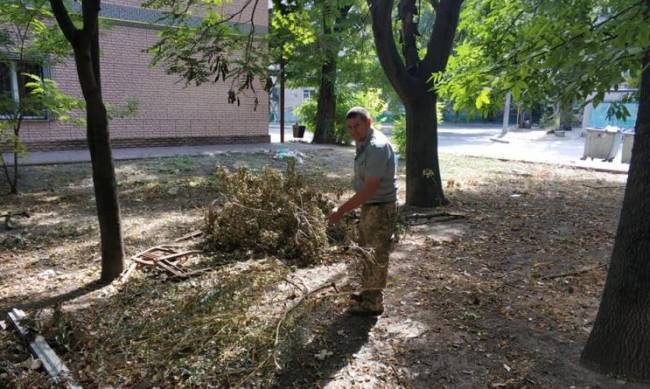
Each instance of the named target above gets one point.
<point>331,283</point>
<point>397,377</point>
<point>605,187</point>
<point>189,236</point>
<point>573,273</point>
<point>419,218</point>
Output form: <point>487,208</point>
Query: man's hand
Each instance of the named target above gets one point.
<point>335,217</point>
<point>371,184</point>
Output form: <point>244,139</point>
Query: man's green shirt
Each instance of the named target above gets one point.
<point>375,158</point>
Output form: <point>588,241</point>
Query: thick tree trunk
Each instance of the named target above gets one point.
<point>108,210</point>
<point>423,183</point>
<point>410,77</point>
<point>619,343</point>
<point>326,110</point>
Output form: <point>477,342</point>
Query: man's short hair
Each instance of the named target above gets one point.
<point>357,112</point>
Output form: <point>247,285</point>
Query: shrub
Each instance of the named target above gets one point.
<point>369,98</point>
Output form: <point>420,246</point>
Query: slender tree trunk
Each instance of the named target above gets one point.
<point>423,182</point>
<point>281,98</point>
<point>619,342</point>
<point>566,117</point>
<point>13,185</point>
<point>86,53</point>
<point>108,208</point>
<point>506,115</point>
<point>5,169</point>
<point>326,109</point>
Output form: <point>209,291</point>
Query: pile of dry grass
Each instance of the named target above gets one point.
<point>272,213</point>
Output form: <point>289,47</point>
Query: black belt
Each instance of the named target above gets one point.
<point>378,204</point>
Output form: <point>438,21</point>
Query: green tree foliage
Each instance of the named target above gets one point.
<point>340,64</point>
<point>27,44</point>
<point>552,51</point>
<point>370,98</point>
<point>201,44</point>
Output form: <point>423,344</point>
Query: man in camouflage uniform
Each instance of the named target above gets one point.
<point>375,184</point>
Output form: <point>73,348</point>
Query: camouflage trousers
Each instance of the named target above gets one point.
<point>376,234</point>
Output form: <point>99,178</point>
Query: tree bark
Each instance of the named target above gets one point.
<point>282,95</point>
<point>411,81</point>
<point>13,185</point>
<point>619,342</point>
<point>326,106</point>
<point>423,182</point>
<point>85,44</point>
<point>566,117</point>
<point>326,109</point>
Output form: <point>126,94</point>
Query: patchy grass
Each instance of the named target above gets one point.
<point>465,298</point>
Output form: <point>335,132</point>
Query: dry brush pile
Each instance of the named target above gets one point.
<point>272,213</point>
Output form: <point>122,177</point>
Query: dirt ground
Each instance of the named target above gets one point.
<point>502,297</point>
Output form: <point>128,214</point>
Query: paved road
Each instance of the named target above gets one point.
<point>474,140</point>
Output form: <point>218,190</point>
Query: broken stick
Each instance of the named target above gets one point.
<point>573,273</point>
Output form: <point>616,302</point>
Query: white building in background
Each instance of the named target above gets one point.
<point>293,98</point>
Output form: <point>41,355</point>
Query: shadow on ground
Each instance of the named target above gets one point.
<point>314,364</point>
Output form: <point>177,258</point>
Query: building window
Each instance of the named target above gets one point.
<point>308,93</point>
<point>14,89</point>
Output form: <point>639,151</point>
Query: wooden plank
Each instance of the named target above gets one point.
<point>169,268</point>
<point>16,316</point>
<point>181,254</point>
<point>143,261</point>
<point>55,368</point>
<point>149,250</point>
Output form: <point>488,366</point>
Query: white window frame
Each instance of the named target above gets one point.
<point>15,93</point>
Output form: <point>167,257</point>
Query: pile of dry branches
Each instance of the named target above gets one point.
<point>271,212</point>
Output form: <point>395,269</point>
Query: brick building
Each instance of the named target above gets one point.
<point>168,112</point>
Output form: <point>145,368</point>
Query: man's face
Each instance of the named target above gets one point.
<point>358,127</point>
